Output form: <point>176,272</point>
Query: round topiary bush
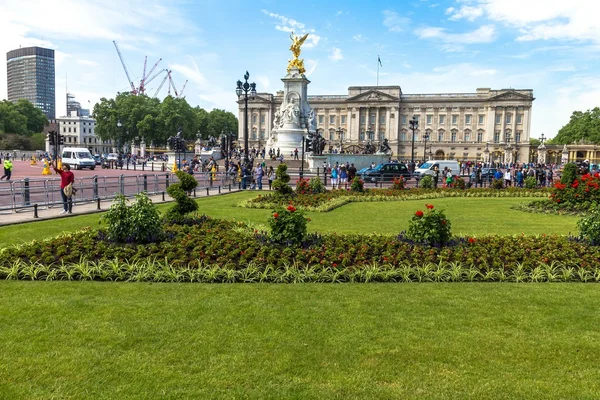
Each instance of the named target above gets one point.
<point>430,227</point>
<point>426,182</point>
<point>280,184</point>
<point>569,174</point>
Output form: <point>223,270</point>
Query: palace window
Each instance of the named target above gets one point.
<point>453,137</point>
<point>481,119</point>
<point>440,136</point>
<point>253,133</point>
<point>508,118</point>
<point>403,136</point>
<point>363,119</point>
<point>372,119</point>
<point>332,120</point>
<point>262,119</point>
<point>479,137</point>
<point>498,119</point>
<point>519,118</point>
<point>361,136</point>
<point>381,135</point>
<point>332,135</point>
<point>371,135</point>
<point>429,119</point>
<point>382,119</point>
<point>321,117</point>
<point>518,137</point>
<point>454,119</point>
<point>467,136</point>
<point>404,120</point>
<point>497,137</point>
<point>262,133</point>
<point>442,119</point>
<point>468,119</point>
<point>343,119</point>
<point>254,118</point>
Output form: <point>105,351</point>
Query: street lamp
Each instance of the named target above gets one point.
<point>542,138</point>
<point>425,137</point>
<point>245,88</point>
<point>339,132</point>
<point>414,125</point>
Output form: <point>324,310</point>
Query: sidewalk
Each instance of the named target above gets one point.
<point>91,207</point>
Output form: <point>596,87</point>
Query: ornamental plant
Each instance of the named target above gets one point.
<point>582,189</point>
<point>179,191</point>
<point>358,185</point>
<point>426,182</point>
<point>589,226</point>
<point>530,182</point>
<point>430,227</point>
<point>398,183</point>
<point>139,223</point>
<point>302,186</point>
<point>288,225</point>
<point>498,184</point>
<point>316,186</point>
<point>280,184</point>
<point>569,174</point>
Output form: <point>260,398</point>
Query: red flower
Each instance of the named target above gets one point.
<point>575,184</point>
<point>471,240</point>
<point>443,222</point>
<point>291,208</point>
<point>430,206</point>
<point>419,213</point>
<point>334,264</point>
<point>275,215</point>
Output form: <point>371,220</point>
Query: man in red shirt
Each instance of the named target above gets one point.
<point>66,178</point>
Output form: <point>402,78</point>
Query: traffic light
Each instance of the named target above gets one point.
<point>52,138</point>
<point>308,144</point>
<point>181,144</point>
<point>61,139</point>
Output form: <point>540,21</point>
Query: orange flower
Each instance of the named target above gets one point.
<point>419,213</point>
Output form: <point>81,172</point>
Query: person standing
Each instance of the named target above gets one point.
<point>271,176</point>
<point>8,166</point>
<point>258,175</point>
<point>66,187</point>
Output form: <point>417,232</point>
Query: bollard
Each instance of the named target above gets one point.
<point>97,203</point>
<point>145,183</point>
<point>26,193</point>
<point>153,166</point>
<point>163,167</point>
<point>122,183</point>
<point>240,185</point>
<point>95,185</point>
<point>210,179</point>
<point>134,166</point>
<point>219,189</point>
<point>194,192</point>
<point>163,194</point>
<point>167,180</point>
<point>318,172</point>
<point>143,165</point>
<point>230,187</point>
<point>324,178</point>
<point>207,191</point>
<point>35,212</point>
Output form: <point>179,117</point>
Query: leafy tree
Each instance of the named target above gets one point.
<point>220,121</point>
<point>534,142</point>
<point>11,120</point>
<point>582,126</point>
<point>36,119</point>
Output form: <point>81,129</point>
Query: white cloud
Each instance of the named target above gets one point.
<point>359,38</point>
<point>87,63</point>
<point>291,25</point>
<point>467,12</point>
<point>336,54</point>
<point>546,20</point>
<point>263,83</point>
<point>393,21</point>
<point>455,41</point>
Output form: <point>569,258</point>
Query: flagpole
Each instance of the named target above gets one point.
<point>377,71</point>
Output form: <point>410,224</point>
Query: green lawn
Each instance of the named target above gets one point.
<point>469,216</point>
<point>74,340</point>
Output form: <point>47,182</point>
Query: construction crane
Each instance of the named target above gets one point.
<point>133,89</point>
<point>162,83</point>
<point>172,84</point>
<point>145,80</point>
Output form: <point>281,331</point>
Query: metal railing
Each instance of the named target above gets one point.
<point>25,194</point>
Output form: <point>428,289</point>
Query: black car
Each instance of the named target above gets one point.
<point>487,174</point>
<point>386,172</point>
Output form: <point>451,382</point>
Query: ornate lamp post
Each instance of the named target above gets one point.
<point>414,125</point>
<point>245,88</point>
<point>425,137</point>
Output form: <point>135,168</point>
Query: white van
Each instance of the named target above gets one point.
<point>429,167</point>
<point>78,158</point>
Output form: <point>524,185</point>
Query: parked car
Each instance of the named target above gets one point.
<point>112,157</point>
<point>487,175</point>
<point>386,172</point>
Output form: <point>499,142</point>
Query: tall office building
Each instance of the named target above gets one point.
<point>30,73</point>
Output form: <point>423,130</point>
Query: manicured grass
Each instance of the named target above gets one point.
<point>380,341</point>
<point>469,216</point>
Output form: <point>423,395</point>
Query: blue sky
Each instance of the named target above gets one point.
<point>426,46</point>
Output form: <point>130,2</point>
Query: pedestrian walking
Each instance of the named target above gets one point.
<point>8,166</point>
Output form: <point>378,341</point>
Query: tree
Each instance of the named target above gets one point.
<point>220,121</point>
<point>36,119</point>
<point>11,120</point>
<point>582,126</point>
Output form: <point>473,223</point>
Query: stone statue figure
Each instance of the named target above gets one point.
<point>291,114</point>
<point>277,122</point>
<point>385,147</point>
<point>295,48</point>
<point>312,120</point>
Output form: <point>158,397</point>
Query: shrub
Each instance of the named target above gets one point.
<point>179,191</point>
<point>498,183</point>
<point>302,186</point>
<point>589,226</point>
<point>426,182</point>
<point>459,183</point>
<point>530,182</point>
<point>430,227</point>
<point>280,184</point>
<point>316,186</point>
<point>358,185</point>
<point>398,183</point>
<point>139,223</point>
<point>117,219</point>
<point>569,174</point>
<point>288,225</point>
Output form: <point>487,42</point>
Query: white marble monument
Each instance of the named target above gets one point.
<point>294,115</point>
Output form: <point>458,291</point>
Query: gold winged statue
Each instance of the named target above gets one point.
<point>297,42</point>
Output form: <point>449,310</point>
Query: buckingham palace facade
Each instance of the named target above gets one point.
<point>461,126</point>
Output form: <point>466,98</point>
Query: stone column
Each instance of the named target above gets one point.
<point>377,124</point>
<point>353,135</point>
<point>388,130</point>
<point>503,125</point>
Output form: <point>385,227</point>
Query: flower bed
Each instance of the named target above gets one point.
<point>330,200</point>
<point>224,246</point>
